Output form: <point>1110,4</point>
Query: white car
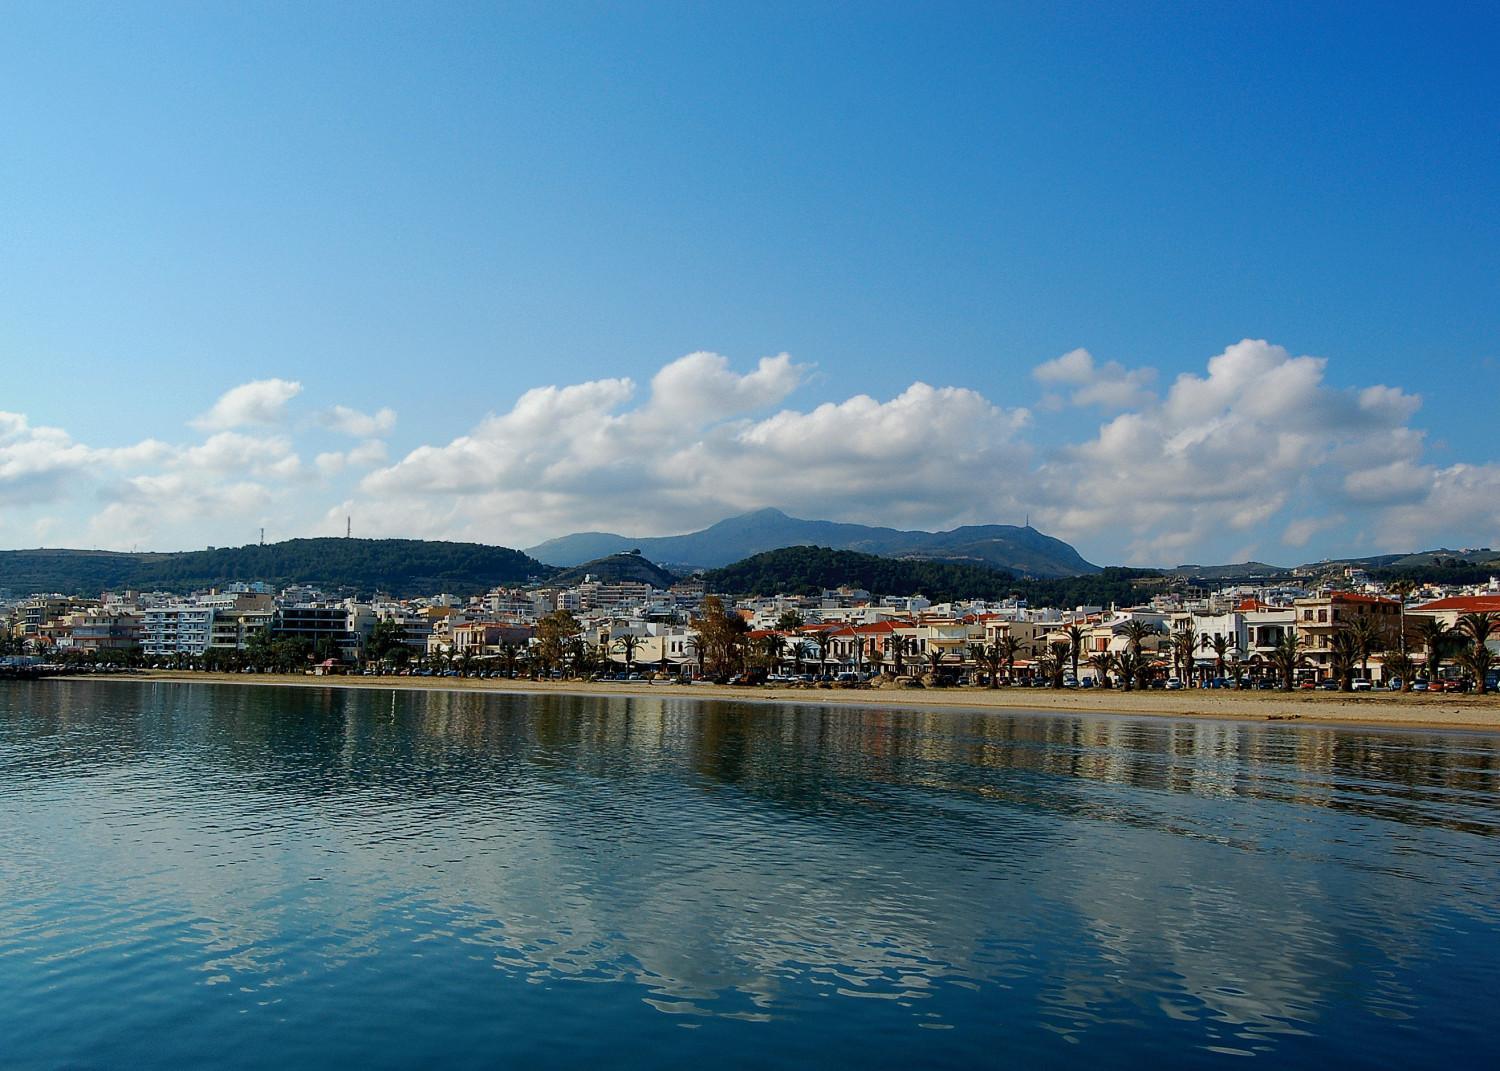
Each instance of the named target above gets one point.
<point>1362,686</point>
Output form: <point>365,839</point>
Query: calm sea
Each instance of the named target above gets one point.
<point>287,878</point>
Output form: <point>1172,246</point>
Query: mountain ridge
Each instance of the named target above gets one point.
<point>1020,550</point>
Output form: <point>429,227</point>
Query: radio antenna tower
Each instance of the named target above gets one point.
<point>348,527</point>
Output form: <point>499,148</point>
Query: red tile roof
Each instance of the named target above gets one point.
<point>1464,604</point>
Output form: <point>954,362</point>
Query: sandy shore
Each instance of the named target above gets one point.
<point>1322,708</point>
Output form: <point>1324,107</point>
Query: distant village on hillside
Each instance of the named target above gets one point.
<point>1345,631</point>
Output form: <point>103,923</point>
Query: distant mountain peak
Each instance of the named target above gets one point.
<point>1016,549</point>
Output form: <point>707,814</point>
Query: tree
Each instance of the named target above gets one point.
<point>1046,663</point>
<point>554,633</point>
<point>1184,641</point>
<point>1343,653</point>
<point>1220,645</point>
<point>1136,632</point>
<point>1102,663</point>
<point>976,655</point>
<point>1010,647</point>
<point>774,647</point>
<point>1401,665</point>
<point>723,635</point>
<point>697,646</point>
<point>386,641</point>
<point>898,646</point>
<point>1436,639</point>
<point>1476,656</point>
<point>1286,657</point>
<point>993,656</point>
<point>818,651</point>
<point>628,645</point>
<point>789,621</point>
<point>1059,650</point>
<point>1075,645</point>
<point>1368,639</point>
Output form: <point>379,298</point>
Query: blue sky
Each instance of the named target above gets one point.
<point>435,209</point>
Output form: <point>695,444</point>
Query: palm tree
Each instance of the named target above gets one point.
<point>1343,653</point>
<point>897,645</point>
<point>1075,645</point>
<point>1476,657</point>
<point>1437,639</point>
<point>1136,632</point>
<point>628,645</point>
<point>976,655</point>
<point>1130,665</point>
<point>1046,663</point>
<point>1368,639</point>
<point>1286,656</point>
<point>774,646</point>
<point>1059,651</point>
<point>1402,665</point>
<point>1102,662</point>
<point>1220,645</point>
<point>1010,647</point>
<point>698,647</point>
<point>1183,642</point>
<point>818,651</point>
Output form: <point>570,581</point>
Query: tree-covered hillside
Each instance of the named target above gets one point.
<point>616,568</point>
<point>397,566</point>
<point>809,570</point>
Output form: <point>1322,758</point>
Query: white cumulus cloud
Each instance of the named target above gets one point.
<point>259,402</point>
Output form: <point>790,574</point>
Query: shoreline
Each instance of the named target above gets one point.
<point>1316,709</point>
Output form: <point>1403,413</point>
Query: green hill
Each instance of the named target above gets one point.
<point>617,568</point>
<point>809,570</point>
<point>398,566</point>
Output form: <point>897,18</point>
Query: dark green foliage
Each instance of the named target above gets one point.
<point>398,566</point>
<point>616,568</point>
<point>809,570</point>
<point>1439,570</point>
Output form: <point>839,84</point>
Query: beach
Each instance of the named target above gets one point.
<point>1468,712</point>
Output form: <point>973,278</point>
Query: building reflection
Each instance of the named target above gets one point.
<point>741,859</point>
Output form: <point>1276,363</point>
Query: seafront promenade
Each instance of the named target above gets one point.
<point>1467,712</point>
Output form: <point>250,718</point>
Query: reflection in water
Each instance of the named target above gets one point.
<point>830,880</point>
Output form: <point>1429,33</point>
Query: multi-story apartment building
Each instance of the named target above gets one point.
<point>232,630</point>
<point>1319,617</point>
<point>182,628</point>
<point>99,630</point>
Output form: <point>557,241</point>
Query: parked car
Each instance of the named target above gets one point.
<point>1363,685</point>
<point>1173,684</point>
<point>1420,686</point>
<point>1329,684</point>
<point>1307,684</point>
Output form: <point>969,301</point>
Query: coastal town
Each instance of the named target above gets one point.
<point>1354,634</point>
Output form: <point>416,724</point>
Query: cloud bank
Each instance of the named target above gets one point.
<point>1256,453</point>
